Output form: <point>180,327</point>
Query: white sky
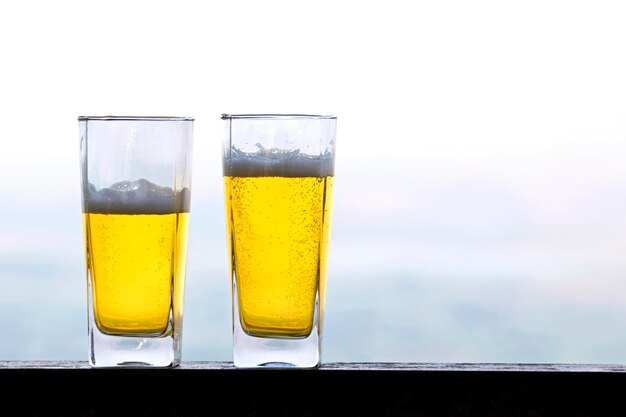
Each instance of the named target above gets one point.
<point>505,86</point>
<point>437,101</point>
<point>443,78</point>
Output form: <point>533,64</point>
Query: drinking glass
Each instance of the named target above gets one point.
<point>278,174</point>
<point>136,190</point>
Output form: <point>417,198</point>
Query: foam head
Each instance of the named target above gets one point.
<point>277,163</point>
<point>135,197</point>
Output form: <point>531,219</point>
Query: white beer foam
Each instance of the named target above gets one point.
<point>277,163</point>
<point>135,197</point>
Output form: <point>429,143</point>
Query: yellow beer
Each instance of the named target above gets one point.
<point>278,173</point>
<point>278,231</point>
<point>136,259</point>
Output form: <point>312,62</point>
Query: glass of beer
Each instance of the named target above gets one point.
<point>278,174</point>
<point>136,189</point>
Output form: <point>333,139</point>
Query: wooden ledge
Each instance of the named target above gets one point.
<point>348,366</point>
<point>51,388</point>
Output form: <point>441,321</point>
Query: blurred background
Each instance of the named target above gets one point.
<point>480,184</point>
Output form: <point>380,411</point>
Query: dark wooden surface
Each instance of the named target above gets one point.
<point>45,388</point>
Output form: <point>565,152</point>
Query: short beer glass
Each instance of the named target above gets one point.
<point>136,189</point>
<point>278,174</point>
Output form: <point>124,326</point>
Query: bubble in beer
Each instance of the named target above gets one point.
<point>272,162</point>
<point>135,197</point>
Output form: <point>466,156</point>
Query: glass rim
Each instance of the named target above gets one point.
<point>138,118</point>
<point>274,116</point>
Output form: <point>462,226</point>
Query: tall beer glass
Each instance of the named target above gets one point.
<point>136,189</point>
<point>278,184</point>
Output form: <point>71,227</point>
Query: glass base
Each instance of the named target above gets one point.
<point>264,352</point>
<point>258,352</point>
<point>115,351</point>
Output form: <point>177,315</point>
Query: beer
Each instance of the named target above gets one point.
<point>278,173</point>
<point>136,189</point>
<point>136,244</point>
<point>278,221</point>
